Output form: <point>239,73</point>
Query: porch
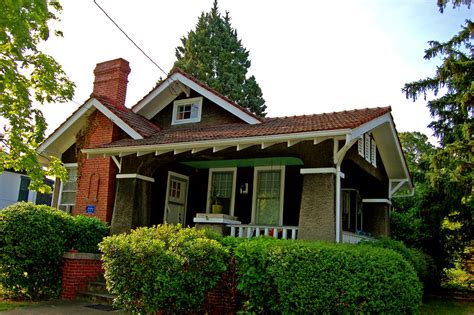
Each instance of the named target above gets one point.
<point>283,192</point>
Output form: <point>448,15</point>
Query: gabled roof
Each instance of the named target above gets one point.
<point>136,126</point>
<point>135,121</point>
<point>179,81</point>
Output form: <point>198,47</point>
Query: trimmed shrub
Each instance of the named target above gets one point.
<point>423,264</point>
<point>316,277</point>
<point>88,233</point>
<point>164,268</point>
<point>33,239</point>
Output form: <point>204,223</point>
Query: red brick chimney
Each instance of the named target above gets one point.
<point>111,78</point>
<point>96,182</point>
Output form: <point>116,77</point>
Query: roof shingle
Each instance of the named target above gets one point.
<point>270,126</point>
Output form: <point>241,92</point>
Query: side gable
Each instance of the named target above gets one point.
<point>64,136</point>
<point>178,82</point>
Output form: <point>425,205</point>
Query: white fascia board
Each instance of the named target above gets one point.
<point>381,200</point>
<point>370,125</point>
<point>116,120</point>
<point>66,125</point>
<point>374,124</point>
<point>216,143</point>
<point>85,109</point>
<point>179,78</point>
<point>321,170</point>
<point>140,105</point>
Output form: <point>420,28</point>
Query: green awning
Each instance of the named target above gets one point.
<point>273,161</point>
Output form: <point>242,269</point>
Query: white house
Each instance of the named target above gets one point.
<point>14,188</point>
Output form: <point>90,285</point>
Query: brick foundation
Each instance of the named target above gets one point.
<point>78,270</point>
<point>224,297</point>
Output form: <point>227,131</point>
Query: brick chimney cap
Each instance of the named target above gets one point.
<point>114,64</point>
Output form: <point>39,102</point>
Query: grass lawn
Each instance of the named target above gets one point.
<point>433,305</point>
<point>6,305</point>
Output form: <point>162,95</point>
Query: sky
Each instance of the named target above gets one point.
<point>307,56</point>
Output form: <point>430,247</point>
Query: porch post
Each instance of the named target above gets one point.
<point>377,212</point>
<point>317,213</point>
<point>132,206</point>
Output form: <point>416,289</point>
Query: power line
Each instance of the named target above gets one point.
<point>130,39</point>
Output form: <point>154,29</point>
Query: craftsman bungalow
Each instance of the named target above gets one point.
<point>187,154</point>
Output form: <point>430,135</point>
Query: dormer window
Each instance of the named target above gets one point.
<point>187,111</point>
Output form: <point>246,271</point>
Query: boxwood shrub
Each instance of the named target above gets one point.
<point>88,232</point>
<point>32,243</point>
<point>424,264</point>
<point>164,268</point>
<point>33,239</point>
<point>321,278</point>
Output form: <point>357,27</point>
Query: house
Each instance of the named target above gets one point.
<point>184,151</point>
<point>14,188</point>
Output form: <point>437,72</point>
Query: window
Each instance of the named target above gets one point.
<point>187,111</point>
<point>67,195</point>
<point>268,195</point>
<point>221,189</point>
<point>24,191</point>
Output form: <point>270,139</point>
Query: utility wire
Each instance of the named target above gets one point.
<point>130,39</point>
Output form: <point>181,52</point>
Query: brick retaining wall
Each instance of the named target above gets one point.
<point>78,270</point>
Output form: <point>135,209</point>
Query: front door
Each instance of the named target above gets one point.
<point>176,197</point>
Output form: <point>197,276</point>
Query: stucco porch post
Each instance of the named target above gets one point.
<point>317,214</point>
<point>132,206</point>
<point>378,210</point>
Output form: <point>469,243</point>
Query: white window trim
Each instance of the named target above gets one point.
<point>181,176</point>
<point>209,187</point>
<point>257,169</point>
<point>187,101</point>
<point>66,165</point>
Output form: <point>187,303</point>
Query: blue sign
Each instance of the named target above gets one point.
<point>90,209</point>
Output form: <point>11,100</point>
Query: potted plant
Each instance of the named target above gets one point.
<point>216,206</point>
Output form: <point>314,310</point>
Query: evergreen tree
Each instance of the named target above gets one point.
<point>214,55</point>
<point>450,168</point>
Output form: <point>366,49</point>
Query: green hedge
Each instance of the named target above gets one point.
<point>165,268</point>
<point>316,277</point>
<point>88,233</point>
<point>423,264</point>
<point>33,239</point>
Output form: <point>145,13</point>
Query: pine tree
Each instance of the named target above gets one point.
<point>450,171</point>
<point>214,54</point>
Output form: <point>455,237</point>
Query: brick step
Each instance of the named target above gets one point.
<point>97,296</point>
<point>97,286</point>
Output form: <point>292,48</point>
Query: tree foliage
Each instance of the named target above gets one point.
<point>27,75</point>
<point>214,54</point>
<point>445,202</point>
<point>434,220</point>
<point>456,3</point>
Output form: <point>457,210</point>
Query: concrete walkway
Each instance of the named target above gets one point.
<point>64,307</point>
